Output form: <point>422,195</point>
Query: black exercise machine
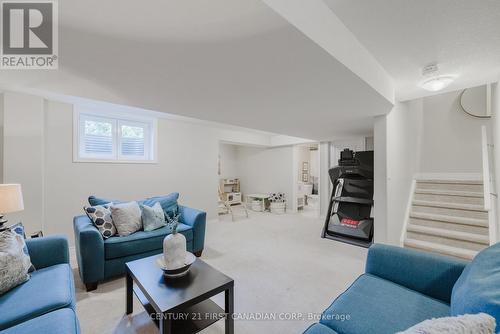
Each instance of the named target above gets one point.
<point>349,218</point>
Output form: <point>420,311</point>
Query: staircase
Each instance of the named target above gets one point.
<point>448,217</point>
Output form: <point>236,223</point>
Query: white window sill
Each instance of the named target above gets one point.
<point>103,161</point>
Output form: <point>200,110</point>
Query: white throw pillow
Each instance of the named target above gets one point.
<point>14,263</point>
<point>153,217</point>
<point>126,217</point>
<point>481,323</point>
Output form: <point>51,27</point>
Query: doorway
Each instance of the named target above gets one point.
<point>306,183</point>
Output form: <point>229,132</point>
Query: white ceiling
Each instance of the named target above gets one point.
<point>463,36</point>
<point>240,62</point>
<point>235,62</point>
<point>202,21</point>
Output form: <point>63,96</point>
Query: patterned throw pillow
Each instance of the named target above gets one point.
<point>14,263</point>
<point>277,197</point>
<point>153,217</point>
<point>19,229</point>
<point>101,217</point>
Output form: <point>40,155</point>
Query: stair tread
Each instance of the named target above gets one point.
<point>448,205</point>
<point>449,192</point>
<point>439,248</point>
<point>450,234</point>
<point>450,219</point>
<point>442,181</point>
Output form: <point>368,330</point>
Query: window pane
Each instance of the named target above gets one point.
<point>98,138</point>
<point>98,128</point>
<point>98,145</point>
<point>132,141</point>
<point>132,131</point>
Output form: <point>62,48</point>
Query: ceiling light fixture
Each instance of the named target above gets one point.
<point>434,81</point>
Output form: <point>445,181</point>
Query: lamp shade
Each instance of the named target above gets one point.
<point>11,198</point>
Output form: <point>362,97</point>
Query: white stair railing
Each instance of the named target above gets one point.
<point>489,184</point>
<point>486,168</point>
<point>407,212</point>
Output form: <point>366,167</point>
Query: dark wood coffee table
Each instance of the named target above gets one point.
<point>180,305</point>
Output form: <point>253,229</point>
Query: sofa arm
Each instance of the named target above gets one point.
<point>430,274</point>
<point>89,246</point>
<point>48,251</point>
<point>198,220</point>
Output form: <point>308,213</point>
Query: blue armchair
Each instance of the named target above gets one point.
<point>45,303</point>
<point>402,287</point>
<point>100,259</point>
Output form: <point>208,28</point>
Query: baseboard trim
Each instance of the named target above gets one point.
<point>72,257</point>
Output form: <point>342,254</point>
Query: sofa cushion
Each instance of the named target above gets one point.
<point>319,329</point>
<point>93,200</point>
<point>49,289</point>
<point>431,274</point>
<point>167,202</point>
<point>141,241</point>
<point>62,321</point>
<point>477,289</point>
<point>377,306</point>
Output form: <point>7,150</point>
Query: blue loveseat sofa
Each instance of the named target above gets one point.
<point>402,287</point>
<point>100,259</point>
<point>45,304</point>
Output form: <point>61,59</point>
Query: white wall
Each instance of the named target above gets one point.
<point>266,170</point>
<point>325,184</point>
<point>38,152</point>
<point>451,139</point>
<point>495,110</point>
<point>1,137</point>
<point>237,135</point>
<point>380,201</point>
<point>404,124</point>
<point>337,146</point>
<point>23,147</point>
<point>282,140</point>
<point>314,163</point>
<point>428,137</point>
<point>262,169</point>
<point>228,161</point>
<point>303,155</point>
<point>369,143</point>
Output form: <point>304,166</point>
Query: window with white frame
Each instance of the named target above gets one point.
<point>114,138</point>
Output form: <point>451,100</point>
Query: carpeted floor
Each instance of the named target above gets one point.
<point>280,266</point>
